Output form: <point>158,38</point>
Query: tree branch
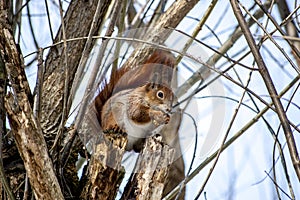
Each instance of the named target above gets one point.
<point>78,11</point>
<point>159,33</point>
<point>26,130</point>
<point>242,130</point>
<point>270,86</point>
<point>105,171</point>
<point>228,44</point>
<point>152,168</point>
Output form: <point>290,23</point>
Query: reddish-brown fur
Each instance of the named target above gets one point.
<point>125,78</point>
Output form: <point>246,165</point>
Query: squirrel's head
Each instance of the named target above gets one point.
<point>159,96</point>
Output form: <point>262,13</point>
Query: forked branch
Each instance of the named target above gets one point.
<point>270,87</point>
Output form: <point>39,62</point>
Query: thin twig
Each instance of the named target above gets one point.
<point>224,139</point>
<point>170,19</point>
<point>283,162</point>
<point>198,28</point>
<point>31,28</point>
<point>293,47</point>
<point>173,193</point>
<point>272,39</point>
<point>26,188</point>
<point>121,26</point>
<point>97,65</point>
<point>194,152</point>
<point>282,155</point>
<point>136,19</point>
<point>270,86</point>
<point>275,136</point>
<point>17,20</point>
<point>49,20</point>
<point>278,186</point>
<point>39,86</point>
<point>66,81</point>
<point>217,56</point>
<point>85,53</point>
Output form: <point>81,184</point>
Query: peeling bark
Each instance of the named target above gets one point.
<point>25,129</point>
<point>153,166</point>
<point>105,170</point>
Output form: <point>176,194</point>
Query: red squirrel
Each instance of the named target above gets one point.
<point>136,101</point>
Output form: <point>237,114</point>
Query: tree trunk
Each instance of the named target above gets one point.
<point>25,129</point>
<point>152,167</point>
<point>105,172</point>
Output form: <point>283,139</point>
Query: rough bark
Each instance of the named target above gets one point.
<point>105,171</point>
<point>77,21</point>
<point>153,166</point>
<point>33,149</point>
<point>4,183</point>
<point>25,129</point>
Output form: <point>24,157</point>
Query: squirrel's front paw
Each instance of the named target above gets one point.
<point>159,117</point>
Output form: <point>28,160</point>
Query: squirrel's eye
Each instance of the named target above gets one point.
<point>160,94</point>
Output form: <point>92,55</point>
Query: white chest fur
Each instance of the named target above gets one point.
<point>136,132</point>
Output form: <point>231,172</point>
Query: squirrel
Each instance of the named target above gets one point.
<point>137,101</point>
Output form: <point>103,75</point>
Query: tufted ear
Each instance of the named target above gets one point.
<point>151,86</point>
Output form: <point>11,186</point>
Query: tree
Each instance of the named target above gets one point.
<point>39,150</point>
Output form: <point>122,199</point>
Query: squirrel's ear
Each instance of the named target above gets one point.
<point>150,86</point>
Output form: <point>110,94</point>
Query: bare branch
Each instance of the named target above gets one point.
<point>53,78</point>
<point>97,65</point>
<point>270,86</point>
<point>170,19</point>
<point>233,118</point>
<point>39,86</point>
<point>242,130</point>
<point>203,70</point>
<point>290,27</point>
<point>26,130</point>
<point>152,168</point>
